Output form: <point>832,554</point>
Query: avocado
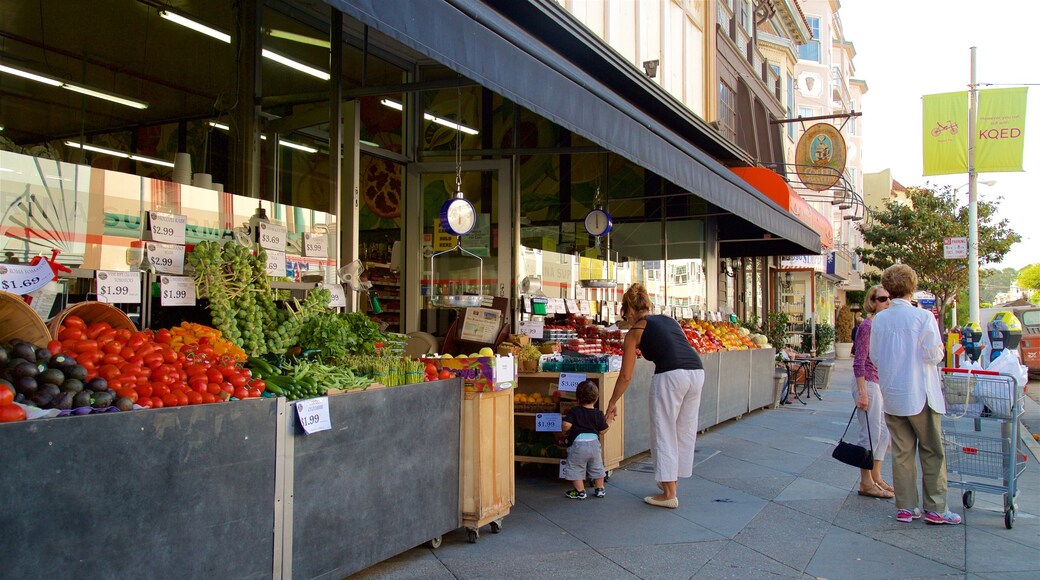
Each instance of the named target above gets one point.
<point>52,376</point>
<point>72,386</point>
<point>25,386</point>
<point>102,400</point>
<point>25,350</point>
<point>43,355</point>
<point>81,399</point>
<point>76,372</point>
<point>49,389</point>
<point>64,401</point>
<point>97,384</point>
<point>124,404</point>
<point>25,369</point>
<point>59,359</point>
<point>42,400</point>
<point>4,356</point>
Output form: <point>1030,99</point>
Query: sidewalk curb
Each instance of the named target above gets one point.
<point>1030,407</point>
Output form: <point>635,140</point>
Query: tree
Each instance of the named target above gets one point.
<point>994,281</point>
<point>1029,277</point>
<point>913,235</point>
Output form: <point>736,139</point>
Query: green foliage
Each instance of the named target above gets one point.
<point>993,281</point>
<point>1029,277</point>
<point>338,336</point>
<point>855,298</point>
<point>824,339</point>
<point>844,323</point>
<point>776,330</point>
<point>913,235</point>
<point>753,324</point>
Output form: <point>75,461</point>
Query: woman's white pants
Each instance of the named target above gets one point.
<point>675,400</point>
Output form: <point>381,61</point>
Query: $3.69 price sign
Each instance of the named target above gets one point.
<point>272,236</point>
<point>166,258</point>
<point>119,287</point>
<point>166,227</point>
<point>177,291</point>
<point>314,414</point>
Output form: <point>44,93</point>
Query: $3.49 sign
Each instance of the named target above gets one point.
<point>314,414</point>
<point>119,287</point>
<point>177,291</point>
<point>18,279</point>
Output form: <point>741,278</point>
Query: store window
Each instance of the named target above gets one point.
<point>811,50</point>
<point>790,105</point>
<point>727,111</point>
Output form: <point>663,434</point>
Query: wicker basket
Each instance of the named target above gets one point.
<point>21,321</point>
<point>92,312</point>
<point>534,407</point>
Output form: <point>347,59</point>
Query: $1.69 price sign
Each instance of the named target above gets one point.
<point>119,287</point>
<point>166,258</point>
<point>272,236</point>
<point>314,414</point>
<point>275,265</point>
<point>166,227</point>
<point>22,280</point>
<point>177,291</point>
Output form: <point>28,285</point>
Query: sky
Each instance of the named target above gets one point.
<point>909,48</point>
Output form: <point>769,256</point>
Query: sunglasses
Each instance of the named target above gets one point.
<point>879,299</point>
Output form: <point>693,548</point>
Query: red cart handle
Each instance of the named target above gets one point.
<point>969,371</point>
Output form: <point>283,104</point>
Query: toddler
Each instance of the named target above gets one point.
<point>583,425</point>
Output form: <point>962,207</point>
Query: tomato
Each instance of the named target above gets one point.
<point>197,370</point>
<point>214,374</point>
<point>73,321</point>
<point>55,347</point>
<point>209,398</point>
<point>227,387</point>
<point>108,372</point>
<point>95,329</point>
<point>107,335</point>
<point>254,393</point>
<point>213,388</point>
<point>86,345</point>
<point>160,389</point>
<point>112,359</point>
<point>145,402</point>
<point>163,336</point>
<point>154,360</point>
<point>123,335</point>
<point>129,394</point>
<point>135,341</point>
<point>111,347</point>
<point>195,398</point>
<point>157,403</point>
<point>258,384</point>
<point>238,380</point>
<point>182,397</point>
<point>241,393</point>
<point>6,396</point>
<point>144,391</point>
<point>169,355</point>
<point>12,412</point>
<point>70,334</point>
<point>170,400</point>
<point>444,374</point>
<point>198,383</point>
<point>127,353</point>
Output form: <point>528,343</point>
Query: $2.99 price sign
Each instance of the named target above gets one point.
<point>119,287</point>
<point>177,291</point>
<point>166,258</point>
<point>314,414</point>
<point>166,227</point>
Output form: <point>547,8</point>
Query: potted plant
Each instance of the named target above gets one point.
<point>843,331</point>
<point>776,331</point>
<point>529,356</point>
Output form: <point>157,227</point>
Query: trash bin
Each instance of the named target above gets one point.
<point>822,375</point>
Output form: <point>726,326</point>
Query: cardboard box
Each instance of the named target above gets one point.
<point>520,339</point>
<point>483,373</point>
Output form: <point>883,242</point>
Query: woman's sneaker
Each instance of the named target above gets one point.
<point>575,494</point>
<point>906,516</point>
<point>941,518</point>
<point>599,492</point>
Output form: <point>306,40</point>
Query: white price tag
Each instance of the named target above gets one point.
<point>572,306</point>
<point>167,227</point>
<point>119,287</point>
<point>166,258</point>
<point>176,291</point>
<point>20,279</point>
<point>314,414</point>
<point>559,306</point>
<point>533,328</point>
<point>505,367</point>
<point>275,264</point>
<point>563,468</point>
<point>551,422</point>
<point>316,245</point>
<point>570,381</point>
<point>339,297</point>
<point>272,237</point>
<point>584,308</point>
<point>42,300</point>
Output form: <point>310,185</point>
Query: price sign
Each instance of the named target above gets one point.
<point>275,265</point>
<point>533,328</point>
<point>272,237</point>
<point>19,279</point>
<point>551,422</point>
<point>558,306</point>
<point>584,308</point>
<point>572,306</point>
<point>176,291</point>
<point>119,287</point>
<point>316,245</point>
<point>505,369</point>
<point>563,469</point>
<point>166,258</point>
<point>570,381</point>
<point>314,414</point>
<point>167,227</point>
<point>339,297</point>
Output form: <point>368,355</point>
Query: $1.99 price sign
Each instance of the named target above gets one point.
<point>166,227</point>
<point>272,236</point>
<point>548,422</point>
<point>177,291</point>
<point>314,414</point>
<point>119,287</point>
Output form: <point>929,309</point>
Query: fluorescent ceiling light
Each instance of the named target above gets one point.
<point>30,75</point>
<point>74,87</point>
<point>114,153</point>
<point>196,26</point>
<point>362,141</point>
<point>219,125</point>
<point>226,38</point>
<point>283,142</point>
<point>106,96</point>
<point>432,118</point>
<point>301,38</point>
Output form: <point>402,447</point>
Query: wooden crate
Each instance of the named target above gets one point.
<point>487,484</point>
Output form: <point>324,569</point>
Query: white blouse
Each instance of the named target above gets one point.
<point>906,347</point>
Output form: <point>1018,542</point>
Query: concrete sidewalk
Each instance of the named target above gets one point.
<point>766,499</point>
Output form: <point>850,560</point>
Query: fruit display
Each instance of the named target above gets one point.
<point>189,334</point>
<point>530,443</point>
<point>706,336</point>
<point>37,377</point>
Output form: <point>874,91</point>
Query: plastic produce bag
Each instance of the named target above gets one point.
<point>960,403</point>
<point>1008,363</point>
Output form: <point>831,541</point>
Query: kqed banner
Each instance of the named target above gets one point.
<point>1000,130</point>
<point>945,136</point>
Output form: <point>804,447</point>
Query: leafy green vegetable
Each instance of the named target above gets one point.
<point>337,336</point>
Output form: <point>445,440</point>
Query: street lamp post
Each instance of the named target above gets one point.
<point>973,210</point>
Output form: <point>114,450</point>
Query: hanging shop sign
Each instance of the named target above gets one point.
<point>820,156</point>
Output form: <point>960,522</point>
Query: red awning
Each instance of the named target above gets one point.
<point>770,183</point>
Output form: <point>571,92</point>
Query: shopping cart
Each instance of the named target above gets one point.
<point>992,450</point>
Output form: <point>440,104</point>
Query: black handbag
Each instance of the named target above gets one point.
<point>852,454</point>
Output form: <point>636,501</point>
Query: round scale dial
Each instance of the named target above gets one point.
<point>598,222</point>
<point>458,216</point>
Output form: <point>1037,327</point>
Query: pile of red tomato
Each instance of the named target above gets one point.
<point>144,368</point>
<point>433,373</point>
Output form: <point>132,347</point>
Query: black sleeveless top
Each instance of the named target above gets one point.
<point>664,344</point>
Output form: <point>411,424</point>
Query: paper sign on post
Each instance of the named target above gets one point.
<point>119,287</point>
<point>166,258</point>
<point>339,297</point>
<point>316,245</point>
<point>532,328</point>
<point>572,306</point>
<point>570,381</point>
<point>177,291</point>
<point>167,228</point>
<point>314,414</point>
<point>272,237</point>
<point>954,248</point>
<point>20,279</point>
<point>551,422</point>
<point>504,369</point>
<point>275,265</point>
<point>563,468</point>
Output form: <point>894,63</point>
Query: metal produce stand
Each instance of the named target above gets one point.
<point>991,450</point>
